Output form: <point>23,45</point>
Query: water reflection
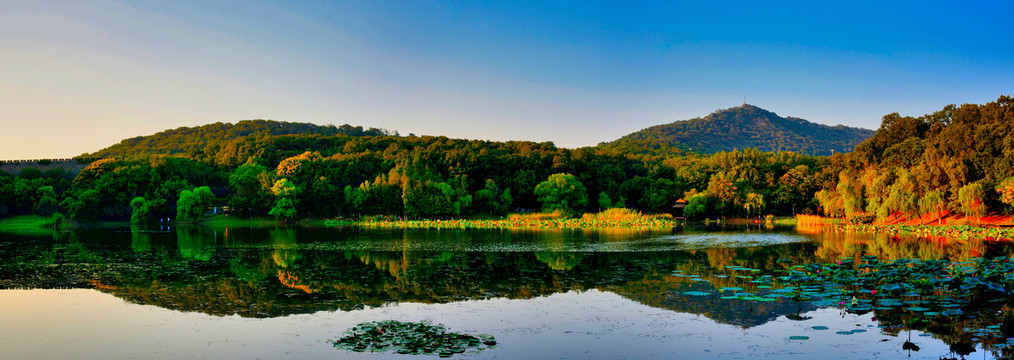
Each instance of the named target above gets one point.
<point>264,273</point>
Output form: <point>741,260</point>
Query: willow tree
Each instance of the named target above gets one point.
<point>970,198</point>
<point>192,203</point>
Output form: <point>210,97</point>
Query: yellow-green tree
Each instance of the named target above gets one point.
<point>286,194</point>
<point>970,198</point>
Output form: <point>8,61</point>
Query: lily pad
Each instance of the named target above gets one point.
<point>410,338</point>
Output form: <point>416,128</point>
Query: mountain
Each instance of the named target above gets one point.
<point>742,127</point>
<point>189,140</point>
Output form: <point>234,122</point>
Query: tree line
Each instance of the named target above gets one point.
<point>418,177</point>
<point>957,159</point>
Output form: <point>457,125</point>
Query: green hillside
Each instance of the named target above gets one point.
<point>208,139</point>
<point>743,127</point>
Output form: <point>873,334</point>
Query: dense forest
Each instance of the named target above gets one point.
<point>744,127</point>
<point>202,141</point>
<point>957,159</point>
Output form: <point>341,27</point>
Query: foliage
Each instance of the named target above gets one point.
<point>142,209</point>
<point>192,203</point>
<point>535,216</point>
<point>753,204</point>
<point>433,199</point>
<point>246,182</point>
<point>860,218</point>
<point>348,175</point>
<point>698,205</point>
<point>284,209</point>
<point>830,203</point>
<point>55,221</point>
<point>1006,191</point>
<point>215,141</point>
<point>909,159</point>
<point>933,202</point>
<point>604,201</point>
<point>971,197</point>
<point>286,193</point>
<point>613,214</point>
<point>562,191</point>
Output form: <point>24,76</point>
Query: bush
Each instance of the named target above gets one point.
<point>613,214</point>
<point>861,218</point>
<point>535,216</point>
<point>55,222</point>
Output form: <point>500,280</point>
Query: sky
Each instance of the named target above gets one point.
<point>78,76</point>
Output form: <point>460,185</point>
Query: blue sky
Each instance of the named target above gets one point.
<point>79,76</point>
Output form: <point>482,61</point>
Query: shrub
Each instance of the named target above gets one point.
<point>535,216</point>
<point>861,218</point>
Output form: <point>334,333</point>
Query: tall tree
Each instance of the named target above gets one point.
<point>562,191</point>
<point>192,204</point>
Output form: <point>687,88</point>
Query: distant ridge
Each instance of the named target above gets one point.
<point>745,126</point>
<point>188,140</point>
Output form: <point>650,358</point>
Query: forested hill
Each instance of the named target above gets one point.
<point>191,141</point>
<point>742,127</point>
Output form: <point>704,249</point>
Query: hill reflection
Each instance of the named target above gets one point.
<point>279,272</point>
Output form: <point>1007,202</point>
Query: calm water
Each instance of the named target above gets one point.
<point>285,293</point>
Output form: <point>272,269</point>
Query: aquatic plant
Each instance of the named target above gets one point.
<point>410,338</point>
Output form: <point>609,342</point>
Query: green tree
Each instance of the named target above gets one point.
<point>284,209</point>
<point>47,205</point>
<point>903,197</point>
<point>605,202</point>
<point>699,205</point>
<point>191,205</point>
<point>971,199</point>
<point>491,199</point>
<point>245,182</point>
<point>286,194</point>
<point>432,199</point>
<point>562,191</point>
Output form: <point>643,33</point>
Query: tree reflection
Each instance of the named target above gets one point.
<point>195,244</point>
<point>277,272</point>
<point>560,261</point>
<point>285,246</point>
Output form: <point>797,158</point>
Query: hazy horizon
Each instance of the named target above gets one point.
<point>79,77</point>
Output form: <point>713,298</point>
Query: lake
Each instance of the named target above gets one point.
<point>278,293</point>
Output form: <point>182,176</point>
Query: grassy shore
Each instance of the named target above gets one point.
<point>28,224</point>
<point>951,230</point>
<point>612,218</point>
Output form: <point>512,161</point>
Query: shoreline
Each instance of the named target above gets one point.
<point>954,228</point>
<point>1003,231</point>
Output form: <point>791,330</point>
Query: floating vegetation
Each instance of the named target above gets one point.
<point>613,218</point>
<point>415,338</point>
<point>951,298</point>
